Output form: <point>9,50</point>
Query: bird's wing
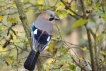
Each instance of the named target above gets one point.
<point>39,38</point>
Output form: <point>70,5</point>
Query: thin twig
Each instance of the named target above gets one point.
<point>77,15</point>
<point>83,8</point>
<point>78,64</point>
<point>102,4</point>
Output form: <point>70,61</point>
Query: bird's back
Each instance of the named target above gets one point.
<point>44,25</point>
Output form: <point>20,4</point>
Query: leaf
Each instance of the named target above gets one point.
<point>103,52</point>
<point>12,20</point>
<point>99,37</point>
<point>68,11</point>
<point>1,17</point>
<point>2,27</point>
<point>104,16</point>
<point>89,1</point>
<point>10,57</point>
<point>59,6</point>
<point>79,23</point>
<point>39,1</point>
<point>26,10</point>
<point>65,0</point>
<point>50,60</point>
<point>63,49</point>
<point>84,49</point>
<point>61,13</point>
<point>41,8</point>
<point>73,5</point>
<point>12,4</point>
<point>8,19</point>
<point>72,67</point>
<point>95,6</point>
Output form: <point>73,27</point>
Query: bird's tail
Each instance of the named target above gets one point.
<point>31,60</point>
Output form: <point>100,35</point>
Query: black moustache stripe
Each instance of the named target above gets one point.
<point>51,19</point>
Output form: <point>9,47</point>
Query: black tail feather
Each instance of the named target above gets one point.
<point>31,60</point>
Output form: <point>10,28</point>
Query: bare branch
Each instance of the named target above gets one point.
<point>90,49</point>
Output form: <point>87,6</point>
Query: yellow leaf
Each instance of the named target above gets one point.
<point>89,1</point>
<point>41,8</point>
<point>3,8</point>
<point>22,1</point>
<point>39,1</point>
<point>50,48</point>
<point>50,60</point>
<point>2,27</point>
<point>14,37</point>
<point>68,11</point>
<point>12,4</point>
<point>8,19</point>
<point>26,10</point>
<point>72,5</point>
<point>61,13</point>
<point>13,20</point>
<point>2,50</point>
<point>25,1</point>
<point>82,57</point>
<point>1,17</point>
<point>60,6</point>
<point>84,49</point>
<point>65,0</point>
<point>103,52</point>
<point>95,6</point>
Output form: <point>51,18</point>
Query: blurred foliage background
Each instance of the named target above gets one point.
<point>78,42</point>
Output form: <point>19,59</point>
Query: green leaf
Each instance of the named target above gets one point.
<point>99,37</point>
<point>103,52</point>
<point>104,16</point>
<point>79,23</point>
<point>72,67</point>
<point>11,57</point>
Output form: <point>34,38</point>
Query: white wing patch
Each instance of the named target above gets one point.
<point>48,38</point>
<point>35,32</point>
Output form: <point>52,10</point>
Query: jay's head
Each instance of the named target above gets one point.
<point>49,16</point>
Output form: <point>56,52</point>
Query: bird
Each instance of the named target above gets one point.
<point>40,31</point>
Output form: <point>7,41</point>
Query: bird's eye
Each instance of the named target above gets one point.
<point>51,15</point>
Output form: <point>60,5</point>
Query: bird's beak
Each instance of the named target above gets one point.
<point>56,18</point>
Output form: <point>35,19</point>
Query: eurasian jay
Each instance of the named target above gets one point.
<point>41,31</point>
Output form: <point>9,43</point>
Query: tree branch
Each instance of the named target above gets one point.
<point>90,49</point>
<point>24,21</point>
<point>23,18</point>
<point>89,38</point>
<point>83,8</point>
